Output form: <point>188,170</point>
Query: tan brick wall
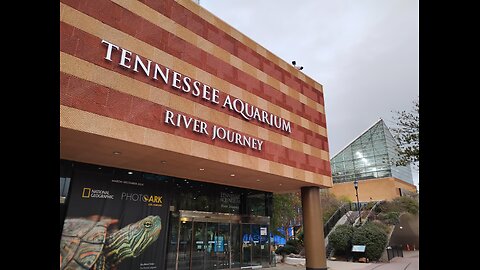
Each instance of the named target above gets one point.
<point>373,189</point>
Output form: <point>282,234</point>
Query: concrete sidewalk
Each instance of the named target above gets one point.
<point>332,265</point>
<point>409,261</point>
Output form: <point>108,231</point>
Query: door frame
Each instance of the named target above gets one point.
<point>200,216</point>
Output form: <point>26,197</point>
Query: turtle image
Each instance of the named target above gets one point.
<point>89,243</point>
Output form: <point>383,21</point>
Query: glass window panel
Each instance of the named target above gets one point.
<point>236,245</point>
<point>222,246</point>
<point>200,245</point>
<point>185,245</point>
<point>246,245</point>
<point>256,204</point>
<point>256,245</point>
<point>172,243</point>
<point>384,173</point>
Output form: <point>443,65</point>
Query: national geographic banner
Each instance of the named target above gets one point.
<point>114,222</point>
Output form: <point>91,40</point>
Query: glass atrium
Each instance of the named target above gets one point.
<point>368,157</point>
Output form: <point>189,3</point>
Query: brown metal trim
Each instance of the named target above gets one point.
<point>197,216</point>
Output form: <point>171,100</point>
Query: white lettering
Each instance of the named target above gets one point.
<point>227,102</point>
<point>203,128</point>
<point>124,59</point>
<point>145,69</point>
<point>247,141</point>
<point>209,93</point>
<point>196,125</point>
<point>187,123</point>
<point>206,93</point>
<point>242,107</point>
<point>236,138</point>
<point>196,91</point>
<point>286,126</point>
<point>230,138</point>
<point>176,79</point>
<point>249,115</point>
<point>186,84</point>
<point>169,117</point>
<point>260,145</point>
<point>264,117</point>
<point>215,96</point>
<point>254,143</point>
<point>275,118</point>
<point>109,49</point>
<point>256,114</point>
<point>164,75</point>
<point>179,116</point>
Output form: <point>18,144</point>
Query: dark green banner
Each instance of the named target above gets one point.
<point>114,222</point>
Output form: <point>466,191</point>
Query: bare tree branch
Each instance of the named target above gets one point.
<point>406,132</point>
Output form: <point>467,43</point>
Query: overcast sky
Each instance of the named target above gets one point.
<point>364,53</point>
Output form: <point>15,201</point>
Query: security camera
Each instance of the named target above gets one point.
<point>294,63</point>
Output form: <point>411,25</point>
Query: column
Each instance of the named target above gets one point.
<point>314,240</point>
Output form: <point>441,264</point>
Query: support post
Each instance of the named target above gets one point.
<point>314,240</point>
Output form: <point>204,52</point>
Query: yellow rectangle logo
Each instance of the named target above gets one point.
<point>86,193</point>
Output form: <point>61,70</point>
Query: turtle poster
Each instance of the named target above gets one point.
<point>115,220</point>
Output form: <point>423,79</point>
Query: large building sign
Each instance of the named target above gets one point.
<point>215,132</point>
<point>204,92</point>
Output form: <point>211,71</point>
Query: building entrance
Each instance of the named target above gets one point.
<point>222,241</point>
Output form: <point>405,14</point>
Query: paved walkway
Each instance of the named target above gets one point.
<point>409,261</point>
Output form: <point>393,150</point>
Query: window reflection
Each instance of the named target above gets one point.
<point>368,157</point>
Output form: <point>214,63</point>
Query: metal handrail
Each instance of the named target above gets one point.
<point>370,212</point>
<point>359,215</point>
<point>327,227</point>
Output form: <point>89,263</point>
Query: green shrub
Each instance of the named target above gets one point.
<point>400,204</point>
<point>345,199</point>
<point>329,204</point>
<point>287,249</point>
<point>369,205</point>
<point>295,243</point>
<point>341,238</point>
<point>300,237</point>
<point>382,226</point>
<point>391,218</point>
<point>374,237</point>
<point>407,204</point>
<point>379,207</point>
<point>327,213</point>
<point>389,206</point>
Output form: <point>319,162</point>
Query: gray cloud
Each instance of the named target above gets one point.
<point>364,53</point>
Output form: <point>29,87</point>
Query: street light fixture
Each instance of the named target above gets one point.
<point>355,184</point>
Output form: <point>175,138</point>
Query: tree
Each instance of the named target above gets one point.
<point>406,132</point>
<point>341,238</point>
<point>329,204</point>
<point>286,209</point>
<point>373,237</point>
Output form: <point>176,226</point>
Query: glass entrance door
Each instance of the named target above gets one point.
<point>246,245</point>
<point>255,246</point>
<point>210,248</point>
<point>184,245</point>
<point>222,246</point>
<point>218,243</point>
<point>199,246</point>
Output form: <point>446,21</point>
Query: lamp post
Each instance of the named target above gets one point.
<point>355,184</point>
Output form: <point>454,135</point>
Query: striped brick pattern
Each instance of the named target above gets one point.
<point>187,39</point>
